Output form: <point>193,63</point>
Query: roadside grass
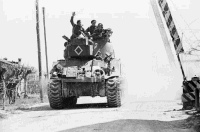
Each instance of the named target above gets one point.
<point>20,105</point>
<point>23,103</point>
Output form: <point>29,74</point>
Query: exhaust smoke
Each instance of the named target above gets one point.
<point>147,72</point>
<point>151,82</point>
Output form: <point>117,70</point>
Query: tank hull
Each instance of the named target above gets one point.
<point>89,69</point>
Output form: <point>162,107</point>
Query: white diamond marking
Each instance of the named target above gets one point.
<point>78,52</point>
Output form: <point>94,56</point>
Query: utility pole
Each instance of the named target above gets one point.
<point>39,50</point>
<point>45,43</point>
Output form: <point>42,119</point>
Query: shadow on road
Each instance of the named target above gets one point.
<point>78,106</point>
<point>134,125</point>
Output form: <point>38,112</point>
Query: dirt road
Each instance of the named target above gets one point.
<point>160,116</point>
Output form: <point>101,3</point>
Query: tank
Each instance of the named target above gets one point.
<point>89,68</point>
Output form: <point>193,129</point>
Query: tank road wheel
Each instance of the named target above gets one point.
<point>54,95</point>
<point>113,92</point>
<point>70,102</point>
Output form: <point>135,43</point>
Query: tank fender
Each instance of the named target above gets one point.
<point>112,76</point>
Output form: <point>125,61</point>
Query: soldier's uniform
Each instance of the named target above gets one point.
<point>91,29</point>
<point>98,34</point>
<point>76,30</point>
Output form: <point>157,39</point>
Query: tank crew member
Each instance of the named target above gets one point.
<point>91,28</point>
<point>107,33</point>
<point>67,40</point>
<point>77,28</point>
<point>98,32</point>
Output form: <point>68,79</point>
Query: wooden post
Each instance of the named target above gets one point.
<point>45,43</point>
<point>39,51</point>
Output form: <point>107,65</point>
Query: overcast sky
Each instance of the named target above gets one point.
<point>136,37</point>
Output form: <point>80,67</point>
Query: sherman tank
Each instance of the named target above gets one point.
<point>89,68</point>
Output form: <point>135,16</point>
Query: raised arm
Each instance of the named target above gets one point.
<point>72,19</point>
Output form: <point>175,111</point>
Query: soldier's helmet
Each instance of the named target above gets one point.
<point>100,25</point>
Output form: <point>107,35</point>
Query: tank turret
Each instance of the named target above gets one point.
<point>84,48</point>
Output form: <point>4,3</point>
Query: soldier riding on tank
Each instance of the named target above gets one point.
<point>91,28</point>
<point>89,68</point>
<point>98,32</point>
<point>77,29</point>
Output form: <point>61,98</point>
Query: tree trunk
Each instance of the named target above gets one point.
<point>19,89</point>
<point>4,94</point>
<point>25,88</point>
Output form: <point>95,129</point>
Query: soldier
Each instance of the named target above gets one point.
<point>98,32</point>
<point>91,28</point>
<point>77,28</point>
<point>67,40</point>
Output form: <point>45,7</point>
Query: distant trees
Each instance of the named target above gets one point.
<point>11,73</point>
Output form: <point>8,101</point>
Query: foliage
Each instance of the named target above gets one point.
<point>15,70</point>
<point>12,73</point>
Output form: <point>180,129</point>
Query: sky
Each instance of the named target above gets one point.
<point>136,37</point>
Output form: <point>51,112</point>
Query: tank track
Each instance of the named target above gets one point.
<point>113,92</point>
<point>54,94</point>
<point>55,97</point>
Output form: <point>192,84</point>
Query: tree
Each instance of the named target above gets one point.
<point>11,73</point>
<point>26,71</point>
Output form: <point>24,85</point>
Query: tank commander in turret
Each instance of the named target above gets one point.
<point>77,29</point>
<point>91,28</point>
